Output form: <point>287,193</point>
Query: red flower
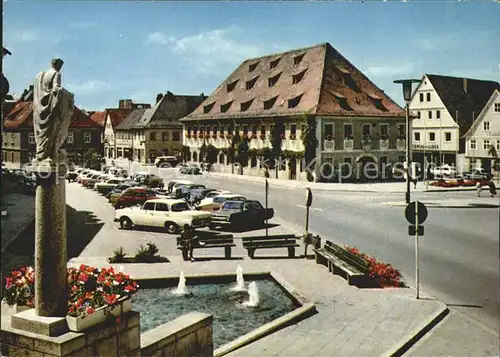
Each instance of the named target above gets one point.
<point>82,267</point>
<point>84,277</point>
<point>74,288</point>
<point>8,283</point>
<point>111,299</point>
<point>89,310</point>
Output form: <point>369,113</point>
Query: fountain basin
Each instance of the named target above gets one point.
<point>234,324</point>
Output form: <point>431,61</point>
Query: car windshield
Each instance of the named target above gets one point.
<point>179,207</point>
<point>232,205</point>
<point>219,199</point>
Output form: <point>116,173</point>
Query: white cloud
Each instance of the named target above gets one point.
<point>436,42</point>
<point>211,49</point>
<point>26,36</point>
<point>88,87</point>
<point>81,25</point>
<point>390,70</point>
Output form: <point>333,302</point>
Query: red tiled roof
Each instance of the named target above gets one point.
<point>117,115</point>
<point>317,80</point>
<point>22,115</point>
<point>99,117</point>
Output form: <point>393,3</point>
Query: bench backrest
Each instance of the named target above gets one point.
<point>216,239</point>
<point>347,256</point>
<point>270,237</point>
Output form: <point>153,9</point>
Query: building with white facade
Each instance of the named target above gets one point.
<point>483,138</point>
<point>445,108</point>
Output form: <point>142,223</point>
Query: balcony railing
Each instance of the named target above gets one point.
<point>401,144</point>
<point>348,144</point>
<point>367,144</point>
<point>384,144</point>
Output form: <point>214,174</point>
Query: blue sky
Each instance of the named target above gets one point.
<point>115,50</point>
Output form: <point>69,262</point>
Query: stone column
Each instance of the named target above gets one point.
<point>51,291</point>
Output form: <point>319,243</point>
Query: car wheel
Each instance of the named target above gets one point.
<point>125,223</point>
<point>212,226</point>
<point>171,227</point>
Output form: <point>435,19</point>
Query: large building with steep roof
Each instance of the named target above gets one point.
<point>268,99</point>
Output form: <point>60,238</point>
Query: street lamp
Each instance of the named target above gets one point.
<point>407,94</point>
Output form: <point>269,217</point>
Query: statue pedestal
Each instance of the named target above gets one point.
<point>51,292</point>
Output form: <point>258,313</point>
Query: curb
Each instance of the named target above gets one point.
<point>438,205</point>
<point>19,232</point>
<point>413,337</point>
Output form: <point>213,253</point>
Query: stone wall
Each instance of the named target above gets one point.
<point>186,336</point>
<point>108,339</point>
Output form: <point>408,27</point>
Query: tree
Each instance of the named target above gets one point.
<point>211,152</point>
<point>92,159</point>
<point>310,143</point>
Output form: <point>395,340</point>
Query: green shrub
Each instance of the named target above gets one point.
<point>118,255</point>
<point>147,254</point>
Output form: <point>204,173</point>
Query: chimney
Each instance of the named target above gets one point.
<point>465,85</point>
<point>125,104</point>
<point>159,96</point>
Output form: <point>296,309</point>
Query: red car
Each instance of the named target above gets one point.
<point>135,196</point>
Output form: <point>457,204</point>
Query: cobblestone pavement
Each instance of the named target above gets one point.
<point>350,321</point>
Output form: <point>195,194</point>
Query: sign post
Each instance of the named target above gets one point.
<point>416,213</point>
<point>267,193</point>
<point>309,198</point>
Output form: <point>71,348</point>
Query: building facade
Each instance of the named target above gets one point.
<point>482,140</point>
<point>445,108</point>
<point>304,110</point>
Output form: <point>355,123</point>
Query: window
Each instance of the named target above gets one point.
<point>274,63</point>
<point>421,97</point>
<point>254,129</point>
<point>384,130</point>
<point>256,205</point>
<point>231,85</point>
<point>164,136</point>
<point>225,107</point>
<point>152,136</point>
<point>429,114</point>
<point>293,129</point>
<point>263,130</point>
<point>348,131</point>
<point>149,206</point>
<point>272,81</point>
<point>31,138</point>
<point>497,107</point>
<point>401,130</point>
<point>438,114</point>
<point>498,145</point>
<point>176,136</point>
<point>244,106</point>
<point>296,78</point>
<point>292,103</point>
<point>473,145</point>
<point>230,129</point>
<point>219,199</point>
<point>221,130</point>
<point>432,137</point>
<point>245,129</point>
<point>251,83</point>
<point>418,114</point>
<point>328,130</point>
<point>428,97</point>
<point>416,136</point>
<point>347,160</point>
<point>86,138</point>
<point>252,67</point>
<point>298,59</point>
<point>233,205</point>
<point>70,139</point>
<point>367,129</point>
<point>486,145</point>
<point>486,126</point>
<point>180,207</point>
<point>268,104</point>
<point>237,130</point>
<point>195,130</point>
<point>207,108</point>
<point>447,136</point>
<point>162,207</point>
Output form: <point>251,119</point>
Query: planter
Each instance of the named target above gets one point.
<point>12,310</point>
<point>77,324</point>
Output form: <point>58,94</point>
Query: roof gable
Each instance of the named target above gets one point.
<point>99,117</point>
<point>482,115</point>
<point>116,116</point>
<point>132,120</point>
<point>171,108</point>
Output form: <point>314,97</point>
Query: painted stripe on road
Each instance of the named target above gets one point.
<point>313,209</point>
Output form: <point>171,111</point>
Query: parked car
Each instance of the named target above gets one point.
<point>135,196</point>
<point>116,171</point>
<point>169,213</point>
<point>171,184</point>
<point>200,193</point>
<point>166,161</point>
<point>478,174</point>
<point>91,178</point>
<point>444,171</point>
<point>101,178</point>
<point>117,191</point>
<point>108,185</point>
<point>209,198</point>
<point>72,175</point>
<point>241,214</point>
<point>192,169</point>
<point>218,201</point>
<point>185,189</point>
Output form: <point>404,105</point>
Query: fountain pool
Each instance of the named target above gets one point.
<point>231,318</point>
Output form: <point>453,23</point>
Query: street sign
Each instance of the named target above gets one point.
<point>309,197</point>
<point>411,209</point>
<point>412,230</point>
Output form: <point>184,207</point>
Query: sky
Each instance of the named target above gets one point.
<point>116,50</point>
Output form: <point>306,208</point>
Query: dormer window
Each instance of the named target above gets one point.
<point>268,104</point>
<point>341,100</point>
<point>252,67</point>
<point>296,78</point>
<point>251,83</point>
<point>231,86</point>
<point>298,59</point>
<point>292,103</point>
<point>348,80</point>
<point>225,107</point>
<point>377,102</point>
<point>244,106</point>
<point>272,81</point>
<point>207,108</point>
<point>274,63</point>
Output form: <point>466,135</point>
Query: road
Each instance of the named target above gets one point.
<point>459,254</point>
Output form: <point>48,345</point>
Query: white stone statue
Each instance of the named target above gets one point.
<point>52,112</point>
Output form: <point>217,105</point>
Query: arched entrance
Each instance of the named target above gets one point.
<point>366,168</point>
<point>195,156</point>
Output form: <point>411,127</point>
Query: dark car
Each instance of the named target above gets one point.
<point>241,214</point>
<point>71,176</point>
<point>122,187</point>
<point>478,174</point>
<point>135,196</point>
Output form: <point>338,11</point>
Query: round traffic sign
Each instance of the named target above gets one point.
<point>411,209</point>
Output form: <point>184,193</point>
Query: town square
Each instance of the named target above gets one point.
<point>250,178</point>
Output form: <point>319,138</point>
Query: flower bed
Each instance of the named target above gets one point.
<point>384,274</point>
<point>89,288</point>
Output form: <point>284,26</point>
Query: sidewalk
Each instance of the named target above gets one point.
<point>349,322</point>
<point>20,213</point>
<point>478,202</point>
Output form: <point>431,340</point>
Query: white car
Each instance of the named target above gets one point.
<point>444,171</point>
<point>209,198</point>
<point>171,214</point>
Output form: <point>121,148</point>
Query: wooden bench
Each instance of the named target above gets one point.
<point>225,241</point>
<point>275,241</point>
<point>342,262</point>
